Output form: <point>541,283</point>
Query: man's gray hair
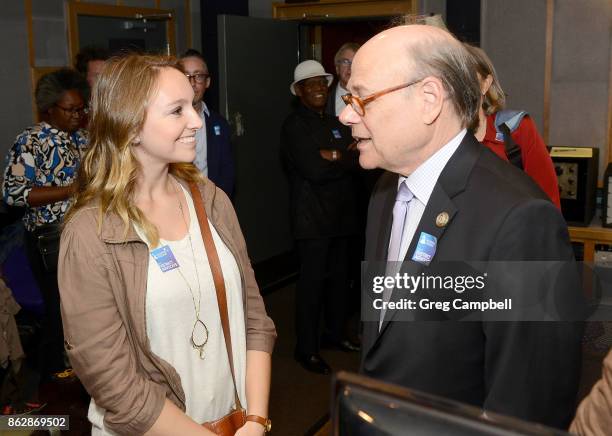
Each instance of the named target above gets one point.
<point>450,62</point>
<point>346,46</point>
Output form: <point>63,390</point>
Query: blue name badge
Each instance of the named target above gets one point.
<point>426,248</point>
<point>336,133</point>
<point>164,258</point>
<point>217,129</point>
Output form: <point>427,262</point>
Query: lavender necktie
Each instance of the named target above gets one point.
<point>400,212</point>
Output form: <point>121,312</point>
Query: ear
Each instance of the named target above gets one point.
<point>207,83</point>
<point>486,84</point>
<point>433,94</point>
<point>136,140</point>
<point>298,89</point>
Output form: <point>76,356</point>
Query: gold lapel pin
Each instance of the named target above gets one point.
<point>442,219</point>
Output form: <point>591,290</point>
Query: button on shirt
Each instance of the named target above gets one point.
<point>201,159</point>
<point>421,183</point>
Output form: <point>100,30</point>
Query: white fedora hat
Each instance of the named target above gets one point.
<point>308,69</point>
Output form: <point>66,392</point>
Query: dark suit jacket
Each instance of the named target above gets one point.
<point>219,152</point>
<point>526,369</point>
<point>323,197</point>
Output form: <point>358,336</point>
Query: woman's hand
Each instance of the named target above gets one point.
<point>251,429</point>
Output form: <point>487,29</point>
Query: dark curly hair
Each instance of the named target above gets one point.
<point>51,86</point>
<point>87,54</point>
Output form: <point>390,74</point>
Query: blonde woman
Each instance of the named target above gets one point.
<point>143,329</point>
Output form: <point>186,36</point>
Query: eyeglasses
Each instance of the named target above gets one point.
<point>359,104</point>
<point>198,77</point>
<point>345,62</point>
<point>78,111</point>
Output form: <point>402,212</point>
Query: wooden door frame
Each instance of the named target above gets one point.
<point>76,8</point>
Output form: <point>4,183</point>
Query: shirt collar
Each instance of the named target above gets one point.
<point>205,110</point>
<point>423,180</point>
<point>61,133</point>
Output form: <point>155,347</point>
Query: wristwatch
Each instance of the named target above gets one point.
<point>334,155</point>
<point>266,422</point>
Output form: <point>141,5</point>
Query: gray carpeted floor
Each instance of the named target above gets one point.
<point>298,398</point>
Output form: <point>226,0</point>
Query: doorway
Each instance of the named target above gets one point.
<point>120,28</point>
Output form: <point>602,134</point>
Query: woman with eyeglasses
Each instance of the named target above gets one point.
<point>39,175</point>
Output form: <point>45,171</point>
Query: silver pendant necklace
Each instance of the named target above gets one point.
<point>199,332</point>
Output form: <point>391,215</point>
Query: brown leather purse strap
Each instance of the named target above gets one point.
<point>217,273</point>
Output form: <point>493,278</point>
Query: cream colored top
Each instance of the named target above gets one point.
<point>170,318</point>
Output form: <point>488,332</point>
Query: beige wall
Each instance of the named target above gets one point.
<point>50,42</point>
<point>514,36</point>
<point>513,33</point>
<point>16,109</point>
<point>581,74</point>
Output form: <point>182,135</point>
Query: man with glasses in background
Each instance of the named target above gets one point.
<point>445,198</point>
<point>213,148</point>
<point>342,60</point>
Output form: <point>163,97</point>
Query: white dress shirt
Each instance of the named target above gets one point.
<point>201,159</point>
<point>421,183</point>
<point>170,315</point>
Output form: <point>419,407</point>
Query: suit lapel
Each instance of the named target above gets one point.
<point>439,202</point>
<point>378,231</point>
<point>382,246</point>
<point>209,132</point>
<point>452,181</point>
<point>211,147</point>
<point>330,107</point>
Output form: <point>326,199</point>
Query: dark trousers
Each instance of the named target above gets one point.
<point>50,357</point>
<point>322,285</point>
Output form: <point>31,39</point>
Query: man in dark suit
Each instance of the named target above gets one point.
<point>447,198</point>
<point>213,147</point>
<point>315,151</point>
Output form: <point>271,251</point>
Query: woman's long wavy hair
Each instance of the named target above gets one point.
<point>495,98</point>
<point>109,169</point>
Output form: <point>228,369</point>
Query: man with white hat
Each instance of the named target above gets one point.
<point>314,148</point>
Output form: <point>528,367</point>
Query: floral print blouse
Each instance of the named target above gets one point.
<point>42,156</point>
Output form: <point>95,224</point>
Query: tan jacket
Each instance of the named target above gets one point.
<point>102,280</point>
<point>594,415</point>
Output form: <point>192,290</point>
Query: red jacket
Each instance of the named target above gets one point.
<point>536,160</point>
